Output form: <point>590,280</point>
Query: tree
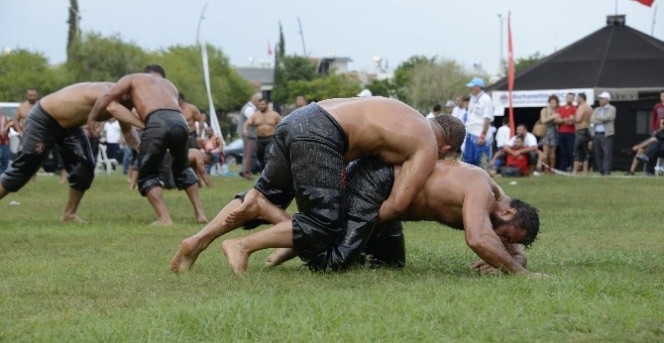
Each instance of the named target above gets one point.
<point>22,69</point>
<point>72,34</point>
<point>435,82</point>
<point>525,62</point>
<point>184,67</point>
<point>404,73</point>
<point>291,68</point>
<point>381,88</point>
<point>98,58</point>
<point>321,88</point>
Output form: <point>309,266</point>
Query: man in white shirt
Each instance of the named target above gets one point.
<point>480,115</point>
<point>602,119</point>
<point>435,112</point>
<point>247,111</point>
<point>113,135</point>
<point>503,134</point>
<point>458,109</point>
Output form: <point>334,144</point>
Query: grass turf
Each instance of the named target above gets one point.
<point>602,241</point>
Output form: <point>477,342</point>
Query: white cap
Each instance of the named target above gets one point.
<point>605,95</point>
<point>364,92</point>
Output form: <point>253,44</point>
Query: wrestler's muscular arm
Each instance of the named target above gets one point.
<point>123,86</point>
<point>515,250</point>
<point>414,173</point>
<point>124,115</point>
<point>480,236</point>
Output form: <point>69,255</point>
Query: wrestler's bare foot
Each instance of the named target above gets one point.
<point>72,218</point>
<point>279,256</point>
<point>185,257</point>
<point>237,255</point>
<point>250,209</point>
<point>162,222</point>
<point>200,219</point>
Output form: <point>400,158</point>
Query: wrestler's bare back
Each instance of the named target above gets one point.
<point>71,105</point>
<point>150,93</point>
<point>377,126</point>
<point>442,197</point>
<point>191,114</point>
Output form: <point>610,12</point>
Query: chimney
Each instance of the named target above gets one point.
<point>617,20</point>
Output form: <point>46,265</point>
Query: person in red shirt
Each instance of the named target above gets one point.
<point>5,153</point>
<point>566,119</point>
<point>657,113</point>
<point>516,161</point>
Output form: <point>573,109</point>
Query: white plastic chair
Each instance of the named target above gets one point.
<point>103,162</point>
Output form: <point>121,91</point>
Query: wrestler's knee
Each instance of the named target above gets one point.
<point>81,176</point>
<point>146,184</point>
<point>186,179</point>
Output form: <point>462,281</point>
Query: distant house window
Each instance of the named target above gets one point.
<point>642,122</point>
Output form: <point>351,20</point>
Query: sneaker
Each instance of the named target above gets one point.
<point>643,158</point>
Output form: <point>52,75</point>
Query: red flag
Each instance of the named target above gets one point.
<point>510,71</point>
<point>646,2</point>
<point>269,48</point>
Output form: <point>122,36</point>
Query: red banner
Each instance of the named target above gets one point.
<point>646,2</point>
<point>510,72</point>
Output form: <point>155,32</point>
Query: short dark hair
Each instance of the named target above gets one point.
<point>465,98</point>
<point>570,93</point>
<point>453,130</point>
<point>522,124</point>
<point>526,218</point>
<point>553,97</point>
<point>436,107</point>
<point>583,95</point>
<point>155,68</point>
<point>180,96</point>
<point>506,120</point>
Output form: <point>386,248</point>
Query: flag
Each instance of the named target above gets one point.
<point>510,71</point>
<point>646,2</point>
<point>269,48</point>
<point>214,121</point>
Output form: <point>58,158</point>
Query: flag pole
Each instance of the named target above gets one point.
<point>654,15</point>
<point>510,71</point>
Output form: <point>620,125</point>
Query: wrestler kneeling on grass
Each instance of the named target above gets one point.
<point>311,149</point>
<point>461,196</point>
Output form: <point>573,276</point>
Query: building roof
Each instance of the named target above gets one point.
<point>613,57</point>
<point>263,76</point>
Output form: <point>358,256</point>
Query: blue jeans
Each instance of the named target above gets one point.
<point>5,154</point>
<point>477,155</point>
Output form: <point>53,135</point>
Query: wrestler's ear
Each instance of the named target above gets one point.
<point>507,213</point>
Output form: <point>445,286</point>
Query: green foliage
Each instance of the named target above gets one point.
<point>22,69</point>
<point>434,82</point>
<point>72,23</point>
<point>381,88</point>
<point>525,62</point>
<point>108,280</point>
<point>290,69</point>
<point>330,86</point>
<point>404,73</point>
<point>98,58</point>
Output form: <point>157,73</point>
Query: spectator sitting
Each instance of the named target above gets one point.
<point>502,138</point>
<point>516,161</point>
<point>529,142</point>
<point>650,150</point>
<point>213,148</point>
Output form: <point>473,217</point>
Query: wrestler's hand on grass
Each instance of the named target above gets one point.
<point>484,267</point>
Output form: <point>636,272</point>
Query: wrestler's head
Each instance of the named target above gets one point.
<point>155,69</point>
<point>262,105</point>
<point>31,95</point>
<point>453,135</point>
<point>517,224</point>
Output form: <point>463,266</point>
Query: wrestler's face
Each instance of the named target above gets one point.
<point>509,233</point>
<point>31,95</point>
<point>262,105</point>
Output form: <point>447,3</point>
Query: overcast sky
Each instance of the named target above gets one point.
<point>464,30</point>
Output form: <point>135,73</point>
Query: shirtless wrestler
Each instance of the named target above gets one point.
<point>264,122</point>
<point>193,116</point>
<point>155,101</point>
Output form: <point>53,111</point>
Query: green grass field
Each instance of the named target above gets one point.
<point>601,241</point>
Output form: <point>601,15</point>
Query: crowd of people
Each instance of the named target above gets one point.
<point>572,137</point>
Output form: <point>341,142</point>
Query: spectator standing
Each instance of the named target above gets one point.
<point>300,101</point>
<point>434,112</point>
<point>582,135</point>
<point>550,139</point>
<point>603,118</point>
<point>113,135</point>
<point>503,134</point>
<point>449,107</point>
<point>458,109</point>
<point>480,116</point>
<point>249,140</point>
<point>566,119</point>
<point>657,113</point>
